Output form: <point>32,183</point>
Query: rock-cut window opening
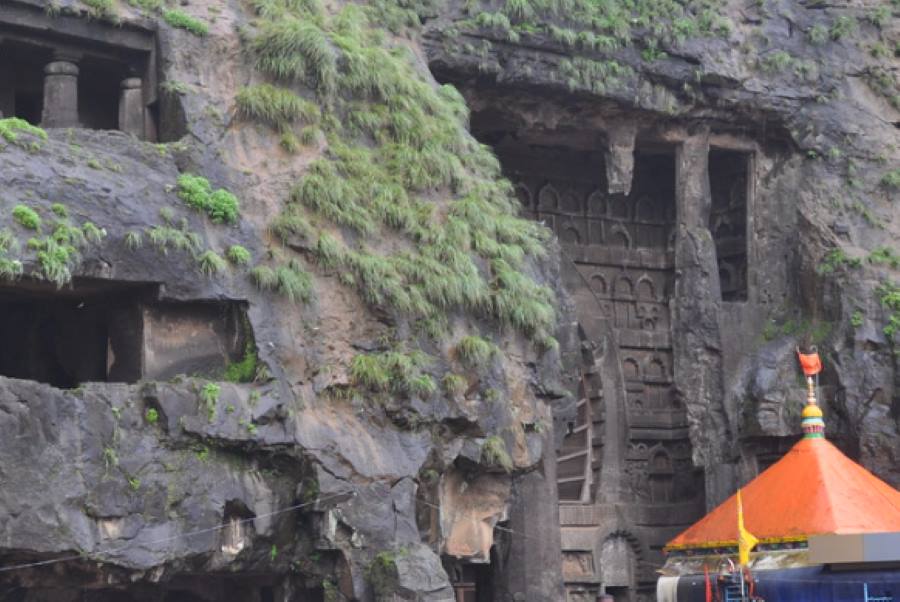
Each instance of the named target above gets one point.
<point>98,331</point>
<point>729,181</point>
<point>67,72</point>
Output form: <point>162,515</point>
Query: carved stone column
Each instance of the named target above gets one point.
<point>131,107</point>
<point>60,94</point>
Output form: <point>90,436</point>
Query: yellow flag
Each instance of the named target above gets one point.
<point>746,540</point>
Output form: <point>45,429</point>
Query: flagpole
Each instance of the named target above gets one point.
<point>741,571</point>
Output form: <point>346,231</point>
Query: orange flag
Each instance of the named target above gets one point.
<point>810,363</point>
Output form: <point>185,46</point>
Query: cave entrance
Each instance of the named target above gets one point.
<point>471,582</point>
<point>729,180</point>
<point>60,71</point>
<point>98,331</point>
<point>22,81</point>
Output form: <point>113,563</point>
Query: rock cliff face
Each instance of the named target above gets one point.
<point>288,335</point>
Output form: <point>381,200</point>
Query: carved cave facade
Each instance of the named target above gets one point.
<point>626,479</point>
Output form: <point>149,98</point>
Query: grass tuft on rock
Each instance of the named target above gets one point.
<point>182,20</point>
<point>276,107</point>
<point>220,205</point>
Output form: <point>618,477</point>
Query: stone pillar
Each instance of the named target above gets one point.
<point>131,107</point>
<point>60,94</point>
<point>696,310</point>
<point>620,157</point>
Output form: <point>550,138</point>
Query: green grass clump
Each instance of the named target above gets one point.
<point>27,217</point>
<point>776,62</point>
<point>393,372</point>
<point>59,210</point>
<point>180,19</point>
<point>211,263</point>
<point>289,279</point>
<point>475,352</point>
<point>843,26</point>
<point>889,295</point>
<point>238,255</point>
<point>891,179</point>
<point>167,237</point>
<point>836,259</point>
<point>455,385</point>
<point>243,371</point>
<point>276,107</point>
<point>493,453</point>
<point>10,268</point>
<point>209,398</point>
<point>292,48</point>
<point>12,127</point>
<point>101,8</point>
<point>220,205</point>
<point>151,416</point>
<point>885,256</point>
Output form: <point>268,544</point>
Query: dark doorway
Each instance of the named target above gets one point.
<point>728,180</point>
<point>22,80</point>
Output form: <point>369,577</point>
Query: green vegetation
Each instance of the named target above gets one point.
<point>220,205</point>
<point>475,352</point>
<point>101,8</point>
<point>12,127</point>
<point>289,279</point>
<point>843,26</point>
<point>455,385</point>
<point>818,34</point>
<point>10,268</point>
<point>209,398</point>
<point>27,217</point>
<point>245,370</point>
<point>211,263</point>
<point>238,255</point>
<point>856,320</point>
<point>59,210</point>
<point>134,240</point>
<point>151,416</point>
<point>891,179</point>
<point>393,372</point>
<point>395,144</point>
<point>59,251</point>
<point>776,62</point>
<point>382,572</point>
<point>885,256</point>
<point>180,19</point>
<point>605,25</point>
<point>168,237</point>
<point>493,453</point>
<point>836,259</point>
<point>889,295</point>
<point>276,107</point>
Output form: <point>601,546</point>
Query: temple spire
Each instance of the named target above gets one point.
<point>813,425</point>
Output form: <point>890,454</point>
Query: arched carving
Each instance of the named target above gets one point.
<point>631,370</point>
<point>598,285</point>
<point>569,235</point>
<point>570,203</point>
<point>619,237</point>
<point>623,288</point>
<point>523,193</point>
<point>548,198</point>
<point>655,370</point>
<point>596,203</point>
<point>646,210</point>
<point>660,461</point>
<point>646,290</point>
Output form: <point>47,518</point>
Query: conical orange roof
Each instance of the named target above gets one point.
<point>814,489</point>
